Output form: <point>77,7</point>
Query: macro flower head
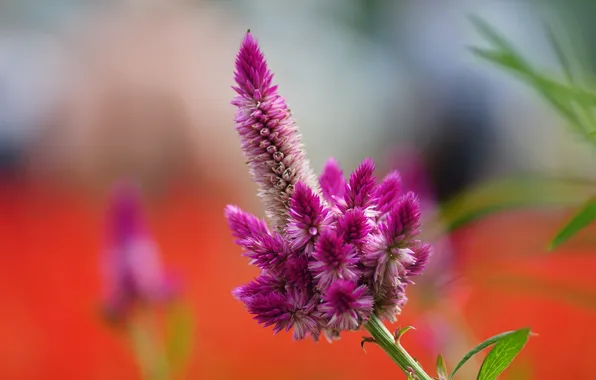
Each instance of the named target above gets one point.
<point>269,137</point>
<point>336,251</point>
<point>132,269</point>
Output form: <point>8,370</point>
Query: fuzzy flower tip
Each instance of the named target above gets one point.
<point>346,305</point>
<point>339,250</point>
<point>132,270</point>
<point>269,138</point>
<point>309,217</point>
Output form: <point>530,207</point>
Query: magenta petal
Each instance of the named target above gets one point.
<point>262,285</point>
<point>388,192</point>
<point>422,254</point>
<point>333,260</point>
<point>245,225</point>
<point>268,252</point>
<point>284,312</point>
<point>403,220</point>
<point>308,218</point>
<point>361,190</point>
<point>332,181</point>
<point>269,138</point>
<point>346,305</point>
<point>354,226</point>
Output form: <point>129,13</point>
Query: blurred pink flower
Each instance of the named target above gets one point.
<point>132,269</point>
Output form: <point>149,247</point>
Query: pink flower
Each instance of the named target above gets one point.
<point>132,269</point>
<point>340,250</point>
<point>309,218</point>
<point>269,138</point>
<point>346,305</point>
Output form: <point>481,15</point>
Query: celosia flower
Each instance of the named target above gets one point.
<point>346,305</point>
<point>338,254</point>
<point>333,260</point>
<point>389,301</point>
<point>388,254</point>
<point>267,250</point>
<point>264,284</point>
<point>270,140</point>
<point>333,183</point>
<point>309,217</point>
<point>288,310</point>
<point>388,192</point>
<point>132,269</point>
<point>355,226</point>
<point>361,192</point>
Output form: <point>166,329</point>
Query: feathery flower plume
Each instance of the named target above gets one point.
<point>267,250</point>
<point>269,138</point>
<point>346,305</point>
<point>340,250</point>
<point>132,269</point>
<point>285,311</point>
<point>361,190</point>
<point>309,217</point>
<point>355,226</point>
<point>389,253</point>
<point>388,192</point>
<point>333,183</point>
<point>333,260</point>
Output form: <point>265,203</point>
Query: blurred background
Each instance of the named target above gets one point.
<point>92,92</point>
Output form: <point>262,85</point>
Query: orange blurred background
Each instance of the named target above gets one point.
<point>52,327</point>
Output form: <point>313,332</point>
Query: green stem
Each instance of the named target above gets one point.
<point>147,348</point>
<point>400,356</point>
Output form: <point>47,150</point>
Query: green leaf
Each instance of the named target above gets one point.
<point>441,368</point>
<point>586,113</point>
<point>499,358</point>
<point>146,346</point>
<point>503,52</point>
<point>571,101</point>
<point>559,52</point>
<point>179,338</point>
<point>489,33</point>
<point>367,339</point>
<point>497,195</point>
<point>400,332</point>
<point>581,220</point>
<point>482,346</point>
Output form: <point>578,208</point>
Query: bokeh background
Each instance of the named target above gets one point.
<point>92,92</point>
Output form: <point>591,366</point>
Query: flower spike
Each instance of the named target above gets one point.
<point>340,253</point>
<point>333,184</point>
<point>269,138</point>
<point>132,269</point>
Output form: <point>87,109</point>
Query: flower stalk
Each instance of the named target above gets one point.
<point>338,253</point>
<point>394,349</point>
<point>147,348</point>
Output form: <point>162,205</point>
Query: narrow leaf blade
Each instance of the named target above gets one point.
<point>571,101</point>
<point>560,53</point>
<point>581,220</point>
<point>500,357</point>
<point>441,368</point>
<point>480,347</point>
<point>179,339</point>
<point>498,195</point>
<point>400,332</point>
<point>489,32</point>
